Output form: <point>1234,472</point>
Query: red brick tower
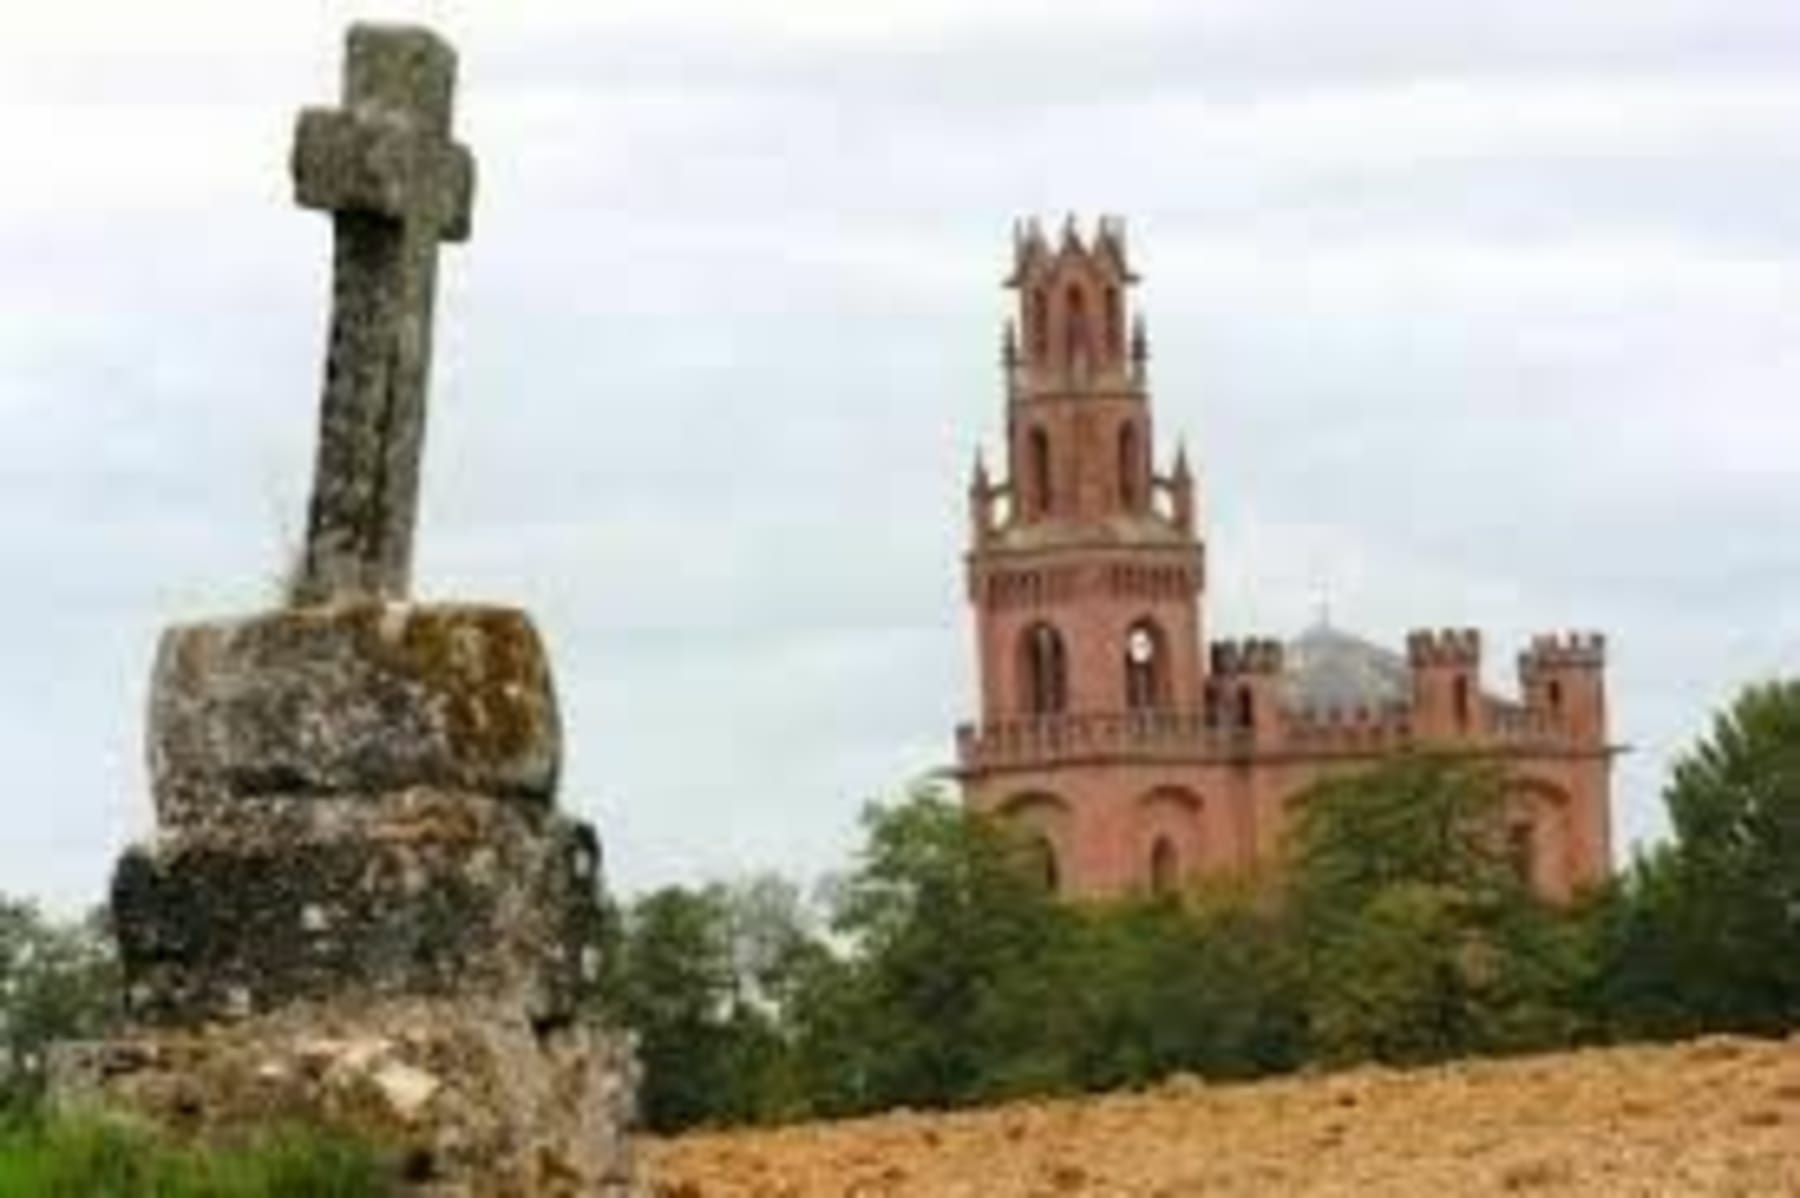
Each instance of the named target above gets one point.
<point>1084,568</point>
<point>1138,762</point>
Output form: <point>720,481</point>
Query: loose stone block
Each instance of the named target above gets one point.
<point>351,700</point>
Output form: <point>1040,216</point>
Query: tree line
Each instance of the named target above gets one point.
<point>936,970</point>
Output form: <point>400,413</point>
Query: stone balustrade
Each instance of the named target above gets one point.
<point>1038,740</point>
<point>1032,741</point>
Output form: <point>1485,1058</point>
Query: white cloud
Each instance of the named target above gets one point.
<point>1478,316</point>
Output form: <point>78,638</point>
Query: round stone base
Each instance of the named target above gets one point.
<point>359,698</point>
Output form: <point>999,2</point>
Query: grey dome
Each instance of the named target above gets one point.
<point>1326,668</point>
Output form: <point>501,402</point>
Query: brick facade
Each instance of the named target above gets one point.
<point>1142,762</point>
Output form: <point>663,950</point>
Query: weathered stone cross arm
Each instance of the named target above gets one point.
<point>387,152</point>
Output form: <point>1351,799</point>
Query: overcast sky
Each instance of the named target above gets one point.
<point>1470,314</point>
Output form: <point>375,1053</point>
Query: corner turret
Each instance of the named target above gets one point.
<point>1243,687</point>
<point>1446,682</point>
<point>1563,677</point>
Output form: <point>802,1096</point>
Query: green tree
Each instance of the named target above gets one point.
<point>1630,928</point>
<point>1207,985</point>
<point>676,987</point>
<point>951,930</point>
<point>58,981</point>
<point>1730,905</point>
<point>704,977</point>
<point>1419,941</point>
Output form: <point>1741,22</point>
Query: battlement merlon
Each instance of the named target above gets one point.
<point>1554,652</point>
<point>1249,656</point>
<point>1444,647</point>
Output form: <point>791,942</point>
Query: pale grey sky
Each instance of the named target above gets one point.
<point>1469,317</point>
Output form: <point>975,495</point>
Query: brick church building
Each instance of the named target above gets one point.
<point>1137,759</point>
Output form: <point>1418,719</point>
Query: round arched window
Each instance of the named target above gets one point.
<point>1044,671</point>
<point>1165,867</point>
<point>1044,865</point>
<point>1146,673</point>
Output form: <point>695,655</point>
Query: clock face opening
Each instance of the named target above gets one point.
<point>1141,646</point>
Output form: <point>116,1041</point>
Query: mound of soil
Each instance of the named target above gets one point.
<point>1709,1117</point>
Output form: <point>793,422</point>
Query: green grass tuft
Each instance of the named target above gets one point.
<point>99,1159</point>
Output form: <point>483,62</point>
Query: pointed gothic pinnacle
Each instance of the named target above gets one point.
<point>1140,340</point>
<point>1072,233</point>
<point>1009,345</point>
<point>1112,229</point>
<point>978,479</point>
<point>1028,243</point>
<point>1182,470</point>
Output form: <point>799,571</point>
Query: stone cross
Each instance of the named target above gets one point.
<point>385,167</point>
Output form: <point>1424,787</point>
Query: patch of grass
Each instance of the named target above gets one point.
<point>100,1159</point>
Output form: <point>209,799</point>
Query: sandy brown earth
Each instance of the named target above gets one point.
<point>1711,1117</point>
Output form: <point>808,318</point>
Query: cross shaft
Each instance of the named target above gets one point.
<point>385,168</point>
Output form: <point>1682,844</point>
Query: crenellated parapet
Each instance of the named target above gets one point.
<point>1245,658</point>
<point>1559,651</point>
<point>1460,647</point>
<point>1243,690</point>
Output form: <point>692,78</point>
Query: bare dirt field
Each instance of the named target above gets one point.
<point>1710,1117</point>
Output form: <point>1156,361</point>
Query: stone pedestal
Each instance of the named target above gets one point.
<point>361,908</point>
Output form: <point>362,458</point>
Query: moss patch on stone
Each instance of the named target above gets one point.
<point>487,665</point>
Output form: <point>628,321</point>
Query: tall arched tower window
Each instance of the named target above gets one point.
<point>1075,329</point>
<point>1521,852</point>
<point>1115,324</point>
<point>1044,866</point>
<point>1459,692</point>
<point>1165,867</point>
<point>1043,671</point>
<point>1146,667</point>
<point>1038,318</point>
<point>1128,466</point>
<point>1037,453</point>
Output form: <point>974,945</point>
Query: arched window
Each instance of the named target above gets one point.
<point>1075,330</point>
<point>1146,667</point>
<point>1044,867</point>
<point>1210,706</point>
<point>1115,325</point>
<point>1039,320</point>
<point>1165,868</point>
<point>1521,852</point>
<point>1554,691</point>
<point>1459,691</point>
<point>1044,682</point>
<point>1039,466</point>
<point>1246,708</point>
<point>1128,466</point>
